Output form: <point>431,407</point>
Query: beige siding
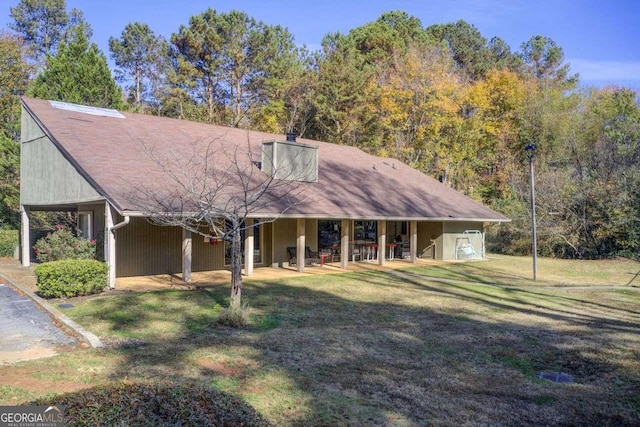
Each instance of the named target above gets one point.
<point>285,232</point>
<point>145,249</point>
<point>453,233</point>
<point>206,256</point>
<point>267,246</point>
<point>428,231</point>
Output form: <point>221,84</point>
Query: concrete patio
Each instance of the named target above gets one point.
<point>199,279</point>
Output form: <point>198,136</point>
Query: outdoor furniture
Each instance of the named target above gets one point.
<point>355,249</point>
<point>310,257</point>
<point>325,254</point>
<point>371,251</point>
<point>392,249</point>
<point>335,248</point>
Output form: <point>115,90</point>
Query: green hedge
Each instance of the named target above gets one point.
<point>71,277</point>
<point>8,243</point>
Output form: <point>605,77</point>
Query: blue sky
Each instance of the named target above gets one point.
<point>600,39</point>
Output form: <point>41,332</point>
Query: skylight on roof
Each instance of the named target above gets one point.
<point>85,109</point>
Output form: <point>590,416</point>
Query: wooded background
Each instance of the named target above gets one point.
<point>441,98</point>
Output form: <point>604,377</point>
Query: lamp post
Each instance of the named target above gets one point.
<point>530,149</point>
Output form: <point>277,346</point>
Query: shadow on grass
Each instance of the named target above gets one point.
<point>387,349</point>
<point>525,297</point>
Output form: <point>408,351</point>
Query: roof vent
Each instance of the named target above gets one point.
<point>291,136</point>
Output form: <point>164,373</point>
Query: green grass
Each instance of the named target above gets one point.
<point>382,348</point>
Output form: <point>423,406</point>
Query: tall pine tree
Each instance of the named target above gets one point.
<point>78,73</point>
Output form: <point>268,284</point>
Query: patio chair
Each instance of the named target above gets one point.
<point>310,257</point>
<point>356,251</point>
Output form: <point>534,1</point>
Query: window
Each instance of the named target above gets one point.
<point>328,233</point>
<point>85,225</point>
<point>365,231</point>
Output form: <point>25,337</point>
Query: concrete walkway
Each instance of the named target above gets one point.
<point>30,328</point>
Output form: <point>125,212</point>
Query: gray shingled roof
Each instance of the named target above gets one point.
<point>113,155</point>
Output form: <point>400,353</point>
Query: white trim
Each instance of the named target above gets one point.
<point>350,217</point>
<point>25,237</point>
<point>89,215</point>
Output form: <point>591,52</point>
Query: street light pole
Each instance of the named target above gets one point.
<point>530,149</point>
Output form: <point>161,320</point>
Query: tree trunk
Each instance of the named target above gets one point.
<point>236,267</point>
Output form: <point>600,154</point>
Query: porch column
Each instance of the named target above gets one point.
<point>413,242</point>
<point>186,255</point>
<point>382,241</point>
<point>300,245</point>
<point>344,243</point>
<point>25,237</point>
<point>109,245</point>
<point>248,247</point>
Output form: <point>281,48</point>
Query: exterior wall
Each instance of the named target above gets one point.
<point>285,232</point>
<point>206,256</point>
<point>46,176</point>
<point>146,249</point>
<point>98,226</point>
<point>453,235</point>
<point>428,231</point>
<point>267,244</point>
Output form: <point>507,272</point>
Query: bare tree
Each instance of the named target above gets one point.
<point>212,188</point>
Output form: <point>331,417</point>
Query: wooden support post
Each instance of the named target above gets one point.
<point>186,255</point>
<point>25,237</point>
<point>382,241</point>
<point>300,245</point>
<point>413,225</point>
<point>110,245</point>
<point>344,243</point>
<point>248,247</point>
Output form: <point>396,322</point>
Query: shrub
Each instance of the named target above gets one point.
<point>154,404</point>
<point>62,244</point>
<point>71,277</point>
<point>8,243</point>
<point>234,316</point>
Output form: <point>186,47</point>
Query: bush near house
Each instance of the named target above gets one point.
<point>71,277</point>
<point>8,243</point>
<point>62,244</point>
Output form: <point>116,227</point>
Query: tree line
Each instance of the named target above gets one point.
<point>442,98</point>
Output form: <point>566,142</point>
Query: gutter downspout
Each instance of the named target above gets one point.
<point>126,220</point>
<point>111,238</point>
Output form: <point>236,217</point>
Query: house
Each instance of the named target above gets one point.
<point>90,160</point>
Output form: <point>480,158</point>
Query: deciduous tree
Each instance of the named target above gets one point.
<point>214,189</point>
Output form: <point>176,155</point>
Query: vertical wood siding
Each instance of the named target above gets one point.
<point>428,231</point>
<point>285,234</point>
<point>205,255</point>
<point>146,249</point>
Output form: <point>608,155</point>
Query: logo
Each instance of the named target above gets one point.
<point>32,416</point>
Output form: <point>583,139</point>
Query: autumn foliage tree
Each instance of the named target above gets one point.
<point>448,100</point>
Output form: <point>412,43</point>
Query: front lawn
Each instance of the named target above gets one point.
<point>377,348</point>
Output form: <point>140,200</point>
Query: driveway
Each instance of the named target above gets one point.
<point>30,328</point>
